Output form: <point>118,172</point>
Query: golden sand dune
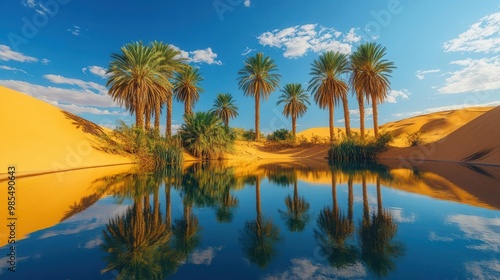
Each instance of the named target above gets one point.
<point>39,138</point>
<point>432,126</point>
<point>478,141</point>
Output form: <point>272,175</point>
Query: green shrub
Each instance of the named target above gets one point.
<point>204,136</point>
<point>280,135</point>
<point>355,149</point>
<point>414,139</point>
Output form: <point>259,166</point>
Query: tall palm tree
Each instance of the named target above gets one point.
<point>295,99</point>
<point>328,87</point>
<point>173,62</point>
<point>370,78</point>
<point>258,79</point>
<point>225,108</point>
<point>186,87</point>
<point>136,79</point>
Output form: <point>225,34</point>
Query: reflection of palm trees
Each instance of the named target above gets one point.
<point>225,207</point>
<point>334,229</point>
<point>296,216</point>
<point>186,231</point>
<point>136,242</point>
<point>376,234</point>
<point>259,237</point>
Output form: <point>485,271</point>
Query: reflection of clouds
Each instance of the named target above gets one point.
<point>93,243</point>
<point>479,228</point>
<point>484,269</point>
<point>4,265</point>
<point>94,217</point>
<point>204,256</point>
<point>434,237</point>
<point>306,269</point>
<point>399,216</point>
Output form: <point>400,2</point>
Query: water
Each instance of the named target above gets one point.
<point>273,221</point>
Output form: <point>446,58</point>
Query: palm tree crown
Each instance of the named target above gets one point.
<point>326,84</point>
<point>225,108</point>
<point>370,78</point>
<point>258,78</point>
<point>295,99</point>
<point>186,87</point>
<point>136,79</point>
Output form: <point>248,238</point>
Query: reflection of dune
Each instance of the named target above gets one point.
<point>45,200</point>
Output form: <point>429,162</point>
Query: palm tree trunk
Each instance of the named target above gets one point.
<point>346,117</point>
<point>157,118</point>
<point>257,116</point>
<point>334,195</point>
<point>226,122</point>
<point>168,133</point>
<point>366,207</point>
<point>375,116</point>
<point>294,126</point>
<point>330,109</point>
<point>295,191</point>
<point>379,197</point>
<point>168,211</point>
<point>187,108</point>
<point>361,104</point>
<point>156,205</point>
<point>257,205</point>
<point>147,116</point>
<point>350,213</point>
<point>139,115</point>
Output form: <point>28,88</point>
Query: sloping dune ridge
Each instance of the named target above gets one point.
<point>40,138</point>
<point>478,141</point>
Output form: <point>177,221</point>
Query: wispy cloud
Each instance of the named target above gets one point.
<point>204,256</point>
<point>247,3</point>
<point>247,51</point>
<point>303,268</point>
<point>482,36</point>
<point>400,217</point>
<point>484,269</point>
<point>475,75</point>
<point>6,54</point>
<point>420,74</point>
<point>75,30</point>
<point>296,41</point>
<point>96,70</point>
<point>37,6</point>
<point>8,68</point>
<point>480,229</point>
<point>45,61</point>
<point>394,95</point>
<point>58,79</point>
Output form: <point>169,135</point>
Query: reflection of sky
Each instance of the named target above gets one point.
<point>204,256</point>
<point>485,231</point>
<point>304,268</point>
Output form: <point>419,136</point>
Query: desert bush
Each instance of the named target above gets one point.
<point>414,139</point>
<point>356,149</point>
<point>281,134</point>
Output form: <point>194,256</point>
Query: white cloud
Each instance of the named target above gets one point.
<point>420,74</point>
<point>351,37</point>
<point>444,108</point>
<point>298,40</point>
<point>75,30</point>
<point>8,68</point>
<point>58,79</point>
<point>482,36</point>
<point>400,217</point>
<point>38,7</point>
<point>96,70</point>
<point>434,237</point>
<point>29,3</point>
<point>247,3</point>
<point>204,256</point>
<point>394,95</point>
<point>6,54</point>
<point>304,268</point>
<point>355,112</point>
<point>476,75</point>
<point>91,244</point>
<point>247,51</point>
<point>204,56</point>
<point>483,269</point>
<point>45,61</point>
<point>480,229</point>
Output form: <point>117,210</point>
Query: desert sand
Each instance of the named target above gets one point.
<point>40,138</point>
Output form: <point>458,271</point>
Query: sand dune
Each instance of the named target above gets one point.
<point>478,141</point>
<point>39,138</point>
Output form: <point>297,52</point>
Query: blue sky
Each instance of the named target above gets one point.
<point>446,52</point>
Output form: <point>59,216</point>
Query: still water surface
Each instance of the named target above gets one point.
<point>272,221</point>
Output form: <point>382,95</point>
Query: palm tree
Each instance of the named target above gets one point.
<point>259,236</point>
<point>370,78</point>
<point>296,216</point>
<point>257,79</point>
<point>295,99</point>
<point>173,62</point>
<point>328,87</point>
<point>136,79</point>
<point>225,108</point>
<point>186,87</point>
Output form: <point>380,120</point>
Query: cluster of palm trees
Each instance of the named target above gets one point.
<point>145,77</point>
